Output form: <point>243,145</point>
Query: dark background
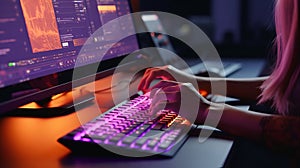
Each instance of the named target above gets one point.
<point>238,28</point>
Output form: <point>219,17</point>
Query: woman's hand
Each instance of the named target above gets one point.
<point>181,98</point>
<point>167,72</point>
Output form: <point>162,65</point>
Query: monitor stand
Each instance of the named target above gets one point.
<point>62,104</point>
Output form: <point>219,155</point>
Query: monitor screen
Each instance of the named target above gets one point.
<point>41,39</point>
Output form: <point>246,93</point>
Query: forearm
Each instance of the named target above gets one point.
<point>238,122</point>
<point>276,131</point>
<point>242,88</point>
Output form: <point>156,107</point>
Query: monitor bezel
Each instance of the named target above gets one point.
<point>102,72</point>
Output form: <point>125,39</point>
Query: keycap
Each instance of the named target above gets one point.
<point>116,138</point>
<point>159,126</point>
<point>141,141</point>
<point>99,137</point>
<point>165,144</point>
<point>152,143</point>
<point>128,140</point>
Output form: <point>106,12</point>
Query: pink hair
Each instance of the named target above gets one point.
<point>279,87</point>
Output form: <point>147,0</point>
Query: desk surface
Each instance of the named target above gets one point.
<point>32,142</point>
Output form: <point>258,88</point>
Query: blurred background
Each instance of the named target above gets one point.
<point>238,28</point>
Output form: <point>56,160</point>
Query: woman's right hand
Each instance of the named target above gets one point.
<point>181,98</point>
<point>167,72</point>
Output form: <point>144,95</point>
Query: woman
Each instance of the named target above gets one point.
<point>282,88</point>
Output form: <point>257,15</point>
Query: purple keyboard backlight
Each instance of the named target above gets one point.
<point>130,125</point>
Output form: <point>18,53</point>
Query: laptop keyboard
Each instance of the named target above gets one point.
<point>130,126</point>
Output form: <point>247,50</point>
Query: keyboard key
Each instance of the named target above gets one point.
<point>112,132</point>
<point>116,138</point>
<point>159,126</point>
<point>140,130</point>
<point>99,137</point>
<point>128,129</point>
<point>141,141</point>
<point>120,127</point>
<point>122,116</point>
<point>145,127</point>
<point>171,137</point>
<point>152,143</point>
<point>128,140</point>
<point>154,134</point>
<point>165,144</point>
<point>137,133</point>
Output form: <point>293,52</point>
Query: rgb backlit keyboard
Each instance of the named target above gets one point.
<point>129,129</point>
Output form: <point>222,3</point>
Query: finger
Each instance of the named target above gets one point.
<point>154,91</point>
<point>154,73</point>
<point>169,95</point>
<point>143,80</point>
<point>165,83</point>
<point>149,76</point>
<point>163,105</point>
<point>164,86</point>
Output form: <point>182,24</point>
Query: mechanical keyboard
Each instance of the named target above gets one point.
<point>129,129</point>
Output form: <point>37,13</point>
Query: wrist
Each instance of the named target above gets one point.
<point>210,113</point>
<point>202,113</point>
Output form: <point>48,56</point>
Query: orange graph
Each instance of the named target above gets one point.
<point>106,9</point>
<point>41,25</point>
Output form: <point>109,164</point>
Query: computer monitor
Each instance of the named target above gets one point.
<point>41,39</point>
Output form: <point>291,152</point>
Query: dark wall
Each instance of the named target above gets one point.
<point>236,27</point>
<point>179,7</point>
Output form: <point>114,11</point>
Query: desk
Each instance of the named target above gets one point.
<point>32,142</point>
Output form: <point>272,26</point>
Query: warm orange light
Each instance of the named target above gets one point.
<point>79,41</point>
<point>31,105</point>
<point>106,8</point>
<point>203,93</point>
